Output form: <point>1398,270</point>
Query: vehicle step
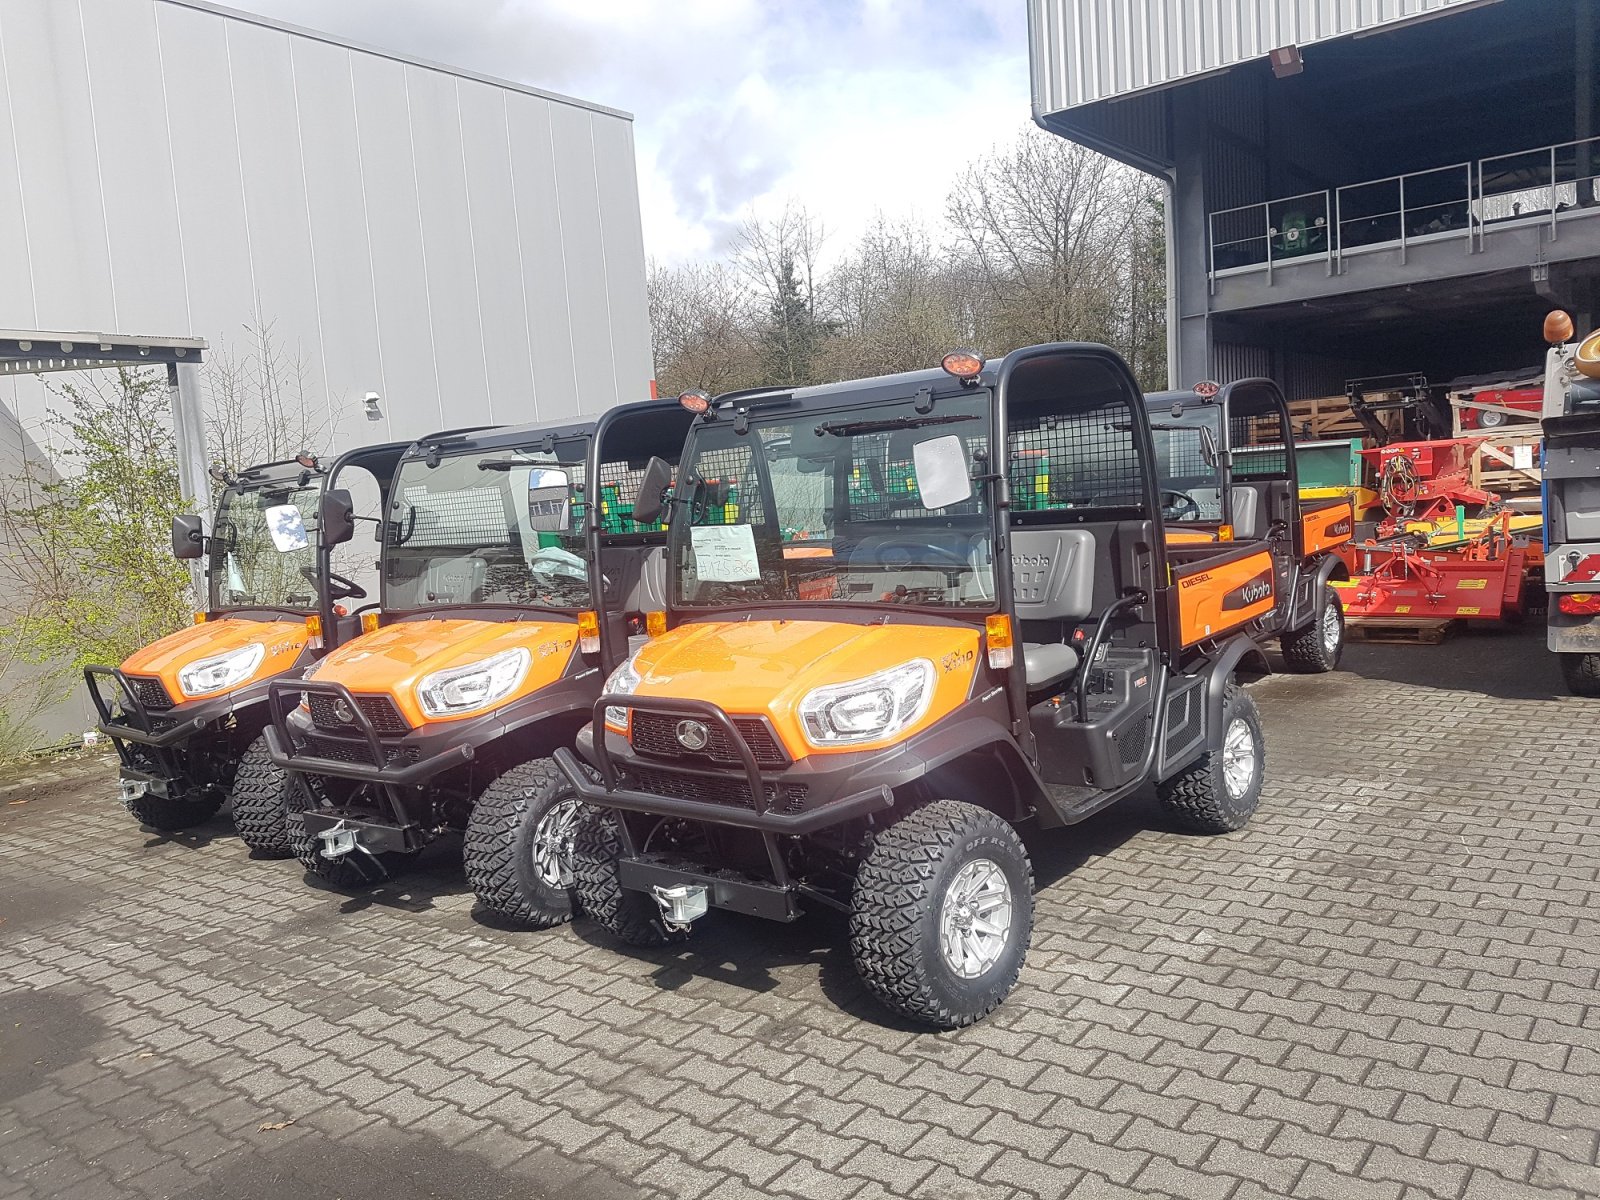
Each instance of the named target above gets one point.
<point>1403,630</point>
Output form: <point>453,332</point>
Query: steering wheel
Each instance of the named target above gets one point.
<point>340,588</point>
<point>921,552</point>
<point>1186,509</point>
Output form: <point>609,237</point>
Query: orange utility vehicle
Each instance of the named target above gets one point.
<point>878,663</point>
<point>513,579</point>
<point>186,713</point>
<point>1227,463</point>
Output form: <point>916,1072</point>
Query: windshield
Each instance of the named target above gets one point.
<point>827,507</point>
<point>1188,462</point>
<point>262,554</point>
<point>489,527</point>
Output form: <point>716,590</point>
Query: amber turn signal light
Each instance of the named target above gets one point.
<point>997,632</point>
<point>1224,533</point>
<point>369,622</point>
<point>963,364</point>
<point>314,626</point>
<point>655,623</point>
<point>589,632</point>
<point>199,618</point>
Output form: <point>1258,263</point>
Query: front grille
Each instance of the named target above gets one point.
<point>715,789</point>
<point>380,710</point>
<point>148,691</point>
<point>656,734</point>
<point>351,751</point>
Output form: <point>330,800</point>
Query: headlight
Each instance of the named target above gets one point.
<point>865,710</point>
<point>476,685</point>
<point>622,682</point>
<point>207,675</point>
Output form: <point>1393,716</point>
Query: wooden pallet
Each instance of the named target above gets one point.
<point>1324,417</point>
<point>1428,631</point>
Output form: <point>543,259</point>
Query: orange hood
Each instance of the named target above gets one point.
<point>394,659</point>
<point>284,642</point>
<point>767,667</point>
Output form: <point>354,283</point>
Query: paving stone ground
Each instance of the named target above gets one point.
<point>1385,987</point>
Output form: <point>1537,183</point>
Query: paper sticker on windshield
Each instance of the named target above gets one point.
<point>725,553</point>
<point>287,527</point>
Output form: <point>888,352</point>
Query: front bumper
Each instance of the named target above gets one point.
<point>362,753</point>
<point>163,729</point>
<point>798,798</point>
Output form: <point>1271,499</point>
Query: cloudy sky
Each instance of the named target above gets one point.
<point>850,106</point>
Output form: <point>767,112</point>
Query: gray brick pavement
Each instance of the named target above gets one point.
<point>1384,987</point>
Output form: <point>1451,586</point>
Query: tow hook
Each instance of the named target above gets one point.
<point>681,906</point>
<point>132,789</point>
<point>337,841</point>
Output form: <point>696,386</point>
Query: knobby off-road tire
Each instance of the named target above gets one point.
<point>1582,673</point>
<point>1319,646</point>
<point>357,869</point>
<point>632,916</point>
<point>926,896</point>
<point>261,791</point>
<point>1208,797</point>
<point>518,846</point>
<point>167,814</point>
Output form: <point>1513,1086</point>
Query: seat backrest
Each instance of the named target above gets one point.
<point>635,578</point>
<point>1052,574</point>
<point>457,580</point>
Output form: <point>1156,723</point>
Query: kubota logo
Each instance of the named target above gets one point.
<point>1030,560</point>
<point>1340,526</point>
<point>1255,590</point>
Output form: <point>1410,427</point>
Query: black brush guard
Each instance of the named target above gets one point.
<point>283,697</point>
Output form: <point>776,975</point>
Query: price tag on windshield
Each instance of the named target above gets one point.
<point>725,553</point>
<point>287,527</point>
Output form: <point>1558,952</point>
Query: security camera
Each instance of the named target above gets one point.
<point>374,413</point>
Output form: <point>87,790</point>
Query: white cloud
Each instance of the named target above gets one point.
<point>849,108</point>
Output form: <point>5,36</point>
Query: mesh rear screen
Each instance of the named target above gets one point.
<point>1075,460</point>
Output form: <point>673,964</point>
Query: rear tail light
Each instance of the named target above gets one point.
<point>1579,604</point>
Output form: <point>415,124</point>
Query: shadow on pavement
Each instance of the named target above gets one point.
<point>1505,662</point>
<point>415,886</point>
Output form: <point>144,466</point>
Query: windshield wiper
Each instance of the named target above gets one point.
<point>502,464</point>
<point>850,428</point>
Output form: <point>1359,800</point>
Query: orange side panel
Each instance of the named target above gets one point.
<point>1190,537</point>
<point>1325,528</point>
<point>1215,599</point>
<point>768,667</point>
<point>395,659</point>
<point>284,640</point>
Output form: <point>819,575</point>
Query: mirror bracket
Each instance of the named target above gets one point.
<point>924,399</point>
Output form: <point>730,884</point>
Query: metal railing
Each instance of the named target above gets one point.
<point>1464,200</point>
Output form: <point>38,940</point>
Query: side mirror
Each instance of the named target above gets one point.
<point>549,491</point>
<point>187,539</point>
<point>336,517</point>
<point>652,497</point>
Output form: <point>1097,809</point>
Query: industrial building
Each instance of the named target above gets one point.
<point>1355,189</point>
<point>467,248</point>
<point>181,176</point>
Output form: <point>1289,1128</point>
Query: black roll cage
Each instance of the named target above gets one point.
<point>1157,403</point>
<point>1000,380</point>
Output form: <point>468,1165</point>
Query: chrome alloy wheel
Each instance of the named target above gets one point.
<point>1239,757</point>
<point>975,918</point>
<point>1332,628</point>
<point>552,843</point>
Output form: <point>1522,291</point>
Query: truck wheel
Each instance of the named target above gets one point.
<point>166,814</point>
<point>359,868</point>
<point>632,916</point>
<point>1582,672</point>
<point>1219,791</point>
<point>942,913</point>
<point>1319,646</point>
<point>261,802</point>
<point>518,846</point>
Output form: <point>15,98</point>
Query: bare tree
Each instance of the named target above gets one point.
<point>257,409</point>
<point>703,328</point>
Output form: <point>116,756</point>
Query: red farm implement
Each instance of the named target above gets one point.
<point>1482,581</point>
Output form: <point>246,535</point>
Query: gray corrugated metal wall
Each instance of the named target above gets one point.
<point>467,248</point>
<point>1088,50</point>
